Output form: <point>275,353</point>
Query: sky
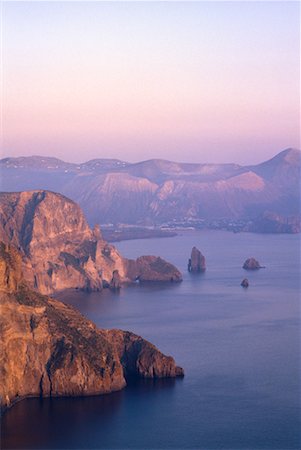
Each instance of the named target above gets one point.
<point>185,81</point>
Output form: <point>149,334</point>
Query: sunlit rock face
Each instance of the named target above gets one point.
<point>10,268</point>
<point>59,249</point>
<point>56,242</point>
<point>50,349</point>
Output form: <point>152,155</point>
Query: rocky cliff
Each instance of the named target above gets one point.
<point>60,251</point>
<point>49,349</point>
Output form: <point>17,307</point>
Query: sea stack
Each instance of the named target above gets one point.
<point>245,283</point>
<point>252,264</point>
<point>196,262</point>
<point>115,284</point>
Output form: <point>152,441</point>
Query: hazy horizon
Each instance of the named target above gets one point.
<point>81,161</point>
<point>212,82</point>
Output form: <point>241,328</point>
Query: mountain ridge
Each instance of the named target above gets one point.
<point>156,192</point>
<point>45,159</point>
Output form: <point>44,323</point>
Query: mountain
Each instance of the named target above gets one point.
<point>60,250</point>
<point>47,163</point>
<point>157,192</point>
<point>50,349</point>
<point>159,170</point>
<point>284,168</point>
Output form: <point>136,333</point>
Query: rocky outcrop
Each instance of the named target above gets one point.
<point>252,264</point>
<point>196,262</point>
<point>115,283</point>
<point>59,250</point>
<point>152,268</point>
<point>57,245</point>
<point>139,357</point>
<point>50,349</point>
<point>245,283</point>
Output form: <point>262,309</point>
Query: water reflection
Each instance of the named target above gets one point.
<point>57,418</point>
<point>72,422</point>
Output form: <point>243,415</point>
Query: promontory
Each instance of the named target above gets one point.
<point>49,349</point>
<point>59,250</point>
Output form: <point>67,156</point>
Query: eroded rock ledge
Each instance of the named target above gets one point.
<point>49,349</point>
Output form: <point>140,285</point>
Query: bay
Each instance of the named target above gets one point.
<point>240,349</point>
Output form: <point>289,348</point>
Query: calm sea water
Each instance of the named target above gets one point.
<point>240,350</point>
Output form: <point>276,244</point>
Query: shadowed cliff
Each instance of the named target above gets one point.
<point>50,349</point>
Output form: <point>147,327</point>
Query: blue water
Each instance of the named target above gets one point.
<point>240,349</point>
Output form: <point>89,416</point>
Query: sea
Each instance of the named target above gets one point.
<point>240,349</point>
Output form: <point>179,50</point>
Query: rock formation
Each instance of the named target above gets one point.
<point>140,358</point>
<point>252,264</point>
<point>245,283</point>
<point>152,268</point>
<point>196,262</point>
<point>60,251</point>
<point>115,283</point>
<point>49,349</point>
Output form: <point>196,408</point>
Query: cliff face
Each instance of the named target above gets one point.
<point>10,268</point>
<point>139,357</point>
<point>56,242</point>
<point>49,349</point>
<point>59,249</point>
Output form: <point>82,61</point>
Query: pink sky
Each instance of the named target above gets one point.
<point>184,81</point>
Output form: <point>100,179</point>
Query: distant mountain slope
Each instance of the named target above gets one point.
<point>117,196</point>
<point>158,191</point>
<point>283,169</point>
<point>158,170</point>
<point>48,163</point>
